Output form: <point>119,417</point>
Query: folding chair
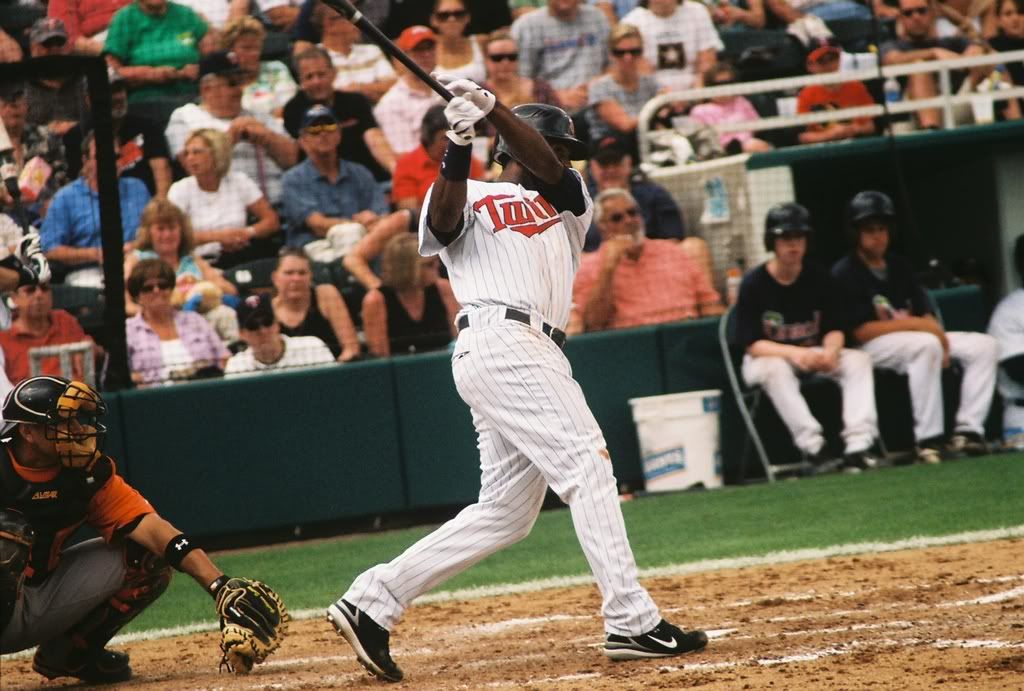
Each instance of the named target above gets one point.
<point>252,277</point>
<point>749,400</point>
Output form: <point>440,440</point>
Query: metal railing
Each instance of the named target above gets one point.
<point>946,100</point>
<point>65,352</point>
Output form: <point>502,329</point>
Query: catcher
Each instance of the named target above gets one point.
<point>54,477</point>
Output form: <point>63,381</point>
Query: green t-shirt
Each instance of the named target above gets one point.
<point>171,40</point>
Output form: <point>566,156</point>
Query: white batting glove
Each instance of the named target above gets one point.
<point>31,255</point>
<point>470,90</point>
<point>462,118</point>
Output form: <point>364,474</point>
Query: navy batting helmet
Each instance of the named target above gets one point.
<point>785,218</point>
<point>552,122</point>
<point>69,412</point>
<point>866,205</point>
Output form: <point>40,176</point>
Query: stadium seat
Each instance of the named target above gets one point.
<point>85,304</point>
<point>765,54</point>
<point>252,277</point>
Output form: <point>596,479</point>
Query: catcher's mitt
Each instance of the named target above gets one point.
<point>252,622</point>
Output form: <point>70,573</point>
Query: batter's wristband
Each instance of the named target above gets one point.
<point>177,549</point>
<point>216,585</point>
<point>455,162</point>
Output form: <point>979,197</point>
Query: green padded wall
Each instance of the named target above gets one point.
<point>438,440</point>
<point>612,367</point>
<point>271,450</point>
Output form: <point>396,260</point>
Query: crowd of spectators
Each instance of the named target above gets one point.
<point>251,133</point>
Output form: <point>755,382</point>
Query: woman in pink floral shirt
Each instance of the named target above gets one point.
<point>164,343</point>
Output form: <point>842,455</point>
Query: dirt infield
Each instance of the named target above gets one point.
<point>949,617</point>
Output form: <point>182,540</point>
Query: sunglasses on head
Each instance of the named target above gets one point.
<point>502,57</point>
<point>911,11</point>
<point>320,129</point>
<point>157,286</point>
<point>259,321</point>
<point>622,52</point>
<point>633,212</point>
<point>451,15</point>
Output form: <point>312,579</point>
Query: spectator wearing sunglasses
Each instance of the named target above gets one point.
<point>269,349</point>
<point>501,56</point>
<point>679,39</point>
<point>457,54</point>
<point>616,98</point>
<point>37,324</point>
<point>817,98</point>
<point>919,42</point>
<point>565,44</point>
<point>633,280</point>
<point>261,149</point>
<point>166,344</point>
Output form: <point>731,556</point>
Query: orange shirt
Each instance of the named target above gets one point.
<point>114,505</point>
<point>819,97</point>
<point>662,285</point>
<point>415,172</point>
<point>64,328</point>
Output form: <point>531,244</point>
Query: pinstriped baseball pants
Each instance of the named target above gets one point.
<point>534,430</point>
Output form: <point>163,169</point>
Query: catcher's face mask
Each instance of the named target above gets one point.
<point>74,427</point>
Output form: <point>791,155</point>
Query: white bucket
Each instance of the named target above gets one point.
<point>678,436</point>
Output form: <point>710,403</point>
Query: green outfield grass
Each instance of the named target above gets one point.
<point>880,506</point>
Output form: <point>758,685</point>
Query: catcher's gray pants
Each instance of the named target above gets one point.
<point>88,575</point>
<point>535,429</point>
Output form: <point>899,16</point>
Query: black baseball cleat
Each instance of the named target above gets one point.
<point>367,638</point>
<point>104,667</point>
<point>664,640</point>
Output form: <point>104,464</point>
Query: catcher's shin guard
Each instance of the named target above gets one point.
<point>16,538</point>
<point>146,578</point>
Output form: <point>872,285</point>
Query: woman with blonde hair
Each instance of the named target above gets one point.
<point>165,233</point>
<point>617,97</point>
<point>268,84</point>
<point>414,309</point>
<point>219,203</point>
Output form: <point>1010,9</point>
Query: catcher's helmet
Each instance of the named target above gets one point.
<point>69,412</point>
<point>552,122</point>
<point>869,204</point>
<point>785,218</point>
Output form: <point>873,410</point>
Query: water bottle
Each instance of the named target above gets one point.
<point>892,90</point>
<point>733,279</point>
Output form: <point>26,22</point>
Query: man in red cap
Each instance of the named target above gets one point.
<point>400,111</point>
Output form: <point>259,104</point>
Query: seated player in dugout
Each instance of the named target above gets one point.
<point>54,478</point>
<point>894,323</point>
<point>790,323</point>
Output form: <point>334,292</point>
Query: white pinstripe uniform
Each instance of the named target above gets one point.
<point>535,428</point>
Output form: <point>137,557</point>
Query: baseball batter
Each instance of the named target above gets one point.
<point>894,323</point>
<point>1007,327</point>
<point>511,248</point>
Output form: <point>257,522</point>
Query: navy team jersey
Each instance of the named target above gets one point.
<point>797,314</point>
<point>870,298</point>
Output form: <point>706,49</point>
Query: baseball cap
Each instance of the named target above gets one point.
<point>221,62</point>
<point>255,311</point>
<point>46,29</point>
<point>821,48</point>
<point>610,149</point>
<point>318,115</point>
<point>415,35</point>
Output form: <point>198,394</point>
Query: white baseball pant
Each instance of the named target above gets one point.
<point>779,379</point>
<point>535,429</point>
<point>918,355</point>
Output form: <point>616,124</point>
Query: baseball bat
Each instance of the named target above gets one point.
<point>347,10</point>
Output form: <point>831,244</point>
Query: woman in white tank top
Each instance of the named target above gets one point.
<point>457,54</point>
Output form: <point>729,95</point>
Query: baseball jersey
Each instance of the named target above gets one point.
<point>57,501</point>
<point>868,296</point>
<point>800,313</point>
<point>514,250</point>
<point>1007,326</point>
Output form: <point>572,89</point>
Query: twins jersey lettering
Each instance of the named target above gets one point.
<point>515,250</point>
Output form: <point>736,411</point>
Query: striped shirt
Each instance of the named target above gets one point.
<point>515,250</point>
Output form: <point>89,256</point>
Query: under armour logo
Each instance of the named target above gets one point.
<point>181,544</point>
